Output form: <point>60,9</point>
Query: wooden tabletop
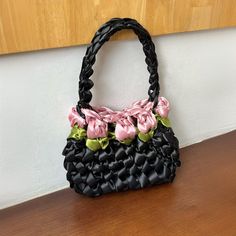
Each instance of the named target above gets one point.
<point>201,201</point>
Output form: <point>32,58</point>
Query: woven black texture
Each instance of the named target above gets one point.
<point>121,167</point>
<point>102,35</point>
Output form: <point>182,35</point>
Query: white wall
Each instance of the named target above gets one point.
<point>198,76</point>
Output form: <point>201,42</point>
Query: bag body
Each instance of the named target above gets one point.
<point>110,151</point>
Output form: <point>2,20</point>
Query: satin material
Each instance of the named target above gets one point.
<point>120,167</point>
<point>75,118</point>
<point>77,133</point>
<point>165,121</point>
<point>99,143</point>
<point>125,129</point>
<point>163,107</point>
<point>97,128</point>
<point>146,137</point>
<point>140,111</point>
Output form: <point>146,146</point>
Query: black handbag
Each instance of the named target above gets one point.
<point>110,151</point>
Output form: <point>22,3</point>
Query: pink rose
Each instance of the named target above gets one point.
<point>142,111</point>
<point>75,118</point>
<point>97,128</point>
<point>107,114</point>
<point>125,129</point>
<point>146,121</point>
<point>163,107</point>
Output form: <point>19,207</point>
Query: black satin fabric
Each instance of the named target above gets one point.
<point>121,167</point>
<point>102,35</point>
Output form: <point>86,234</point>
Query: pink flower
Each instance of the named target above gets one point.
<point>107,114</point>
<point>146,121</point>
<point>163,107</point>
<point>125,129</point>
<point>75,118</point>
<point>142,111</point>
<point>97,128</point>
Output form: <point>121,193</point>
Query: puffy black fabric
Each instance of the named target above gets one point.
<point>121,167</point>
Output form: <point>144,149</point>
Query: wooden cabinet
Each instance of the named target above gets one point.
<point>27,25</point>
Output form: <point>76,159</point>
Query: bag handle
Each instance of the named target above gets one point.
<point>101,36</point>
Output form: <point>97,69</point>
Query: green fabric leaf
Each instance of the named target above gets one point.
<point>164,120</point>
<point>104,142</point>
<point>77,133</point>
<point>111,135</point>
<point>127,141</point>
<point>93,144</point>
<point>96,144</point>
<point>146,137</point>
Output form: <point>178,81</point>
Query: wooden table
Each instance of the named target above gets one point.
<point>201,201</point>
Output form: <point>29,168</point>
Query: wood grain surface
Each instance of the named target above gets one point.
<point>27,25</point>
<point>200,202</point>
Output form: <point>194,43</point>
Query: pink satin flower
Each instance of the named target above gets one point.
<point>98,119</point>
<point>163,107</point>
<point>142,111</point>
<point>75,118</point>
<point>125,129</point>
<point>142,104</point>
<point>97,128</point>
<point>108,115</point>
<point>146,121</point>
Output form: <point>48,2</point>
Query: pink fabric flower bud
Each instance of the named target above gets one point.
<point>146,121</point>
<point>142,111</point>
<point>107,114</point>
<point>125,129</point>
<point>75,118</point>
<point>97,128</point>
<point>163,107</point>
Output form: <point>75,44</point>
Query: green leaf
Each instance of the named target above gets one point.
<point>111,135</point>
<point>96,144</point>
<point>146,137</point>
<point>164,120</point>
<point>104,142</point>
<point>93,144</point>
<point>127,141</point>
<point>77,133</point>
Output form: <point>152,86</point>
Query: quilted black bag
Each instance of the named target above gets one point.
<point>110,151</point>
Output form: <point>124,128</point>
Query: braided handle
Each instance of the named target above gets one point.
<point>101,36</point>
